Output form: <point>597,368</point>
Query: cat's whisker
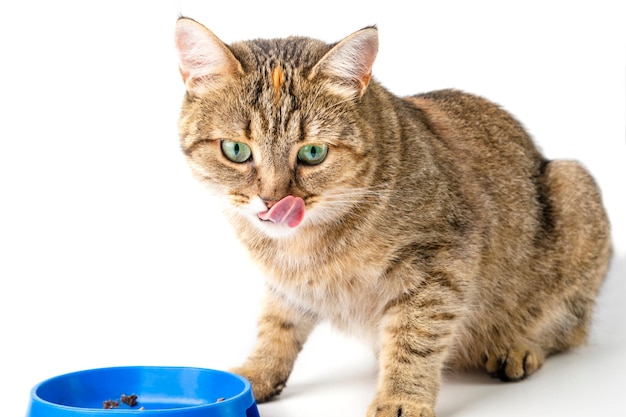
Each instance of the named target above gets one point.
<point>357,194</point>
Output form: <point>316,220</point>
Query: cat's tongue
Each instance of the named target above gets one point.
<point>289,211</point>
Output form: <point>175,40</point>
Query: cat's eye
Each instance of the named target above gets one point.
<point>312,154</point>
<point>236,151</point>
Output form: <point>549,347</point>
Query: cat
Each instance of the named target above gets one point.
<point>430,226</point>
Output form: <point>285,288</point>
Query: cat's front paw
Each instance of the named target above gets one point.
<point>265,385</point>
<point>401,407</point>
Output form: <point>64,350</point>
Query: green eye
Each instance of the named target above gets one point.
<point>236,151</point>
<point>312,154</point>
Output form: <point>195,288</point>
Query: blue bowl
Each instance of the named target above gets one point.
<point>163,391</point>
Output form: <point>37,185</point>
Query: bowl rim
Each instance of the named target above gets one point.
<point>239,397</point>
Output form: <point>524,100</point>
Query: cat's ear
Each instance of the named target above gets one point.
<point>205,62</point>
<point>349,63</point>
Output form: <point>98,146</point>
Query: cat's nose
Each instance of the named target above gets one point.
<point>269,202</point>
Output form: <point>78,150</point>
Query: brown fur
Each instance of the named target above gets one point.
<point>434,228</point>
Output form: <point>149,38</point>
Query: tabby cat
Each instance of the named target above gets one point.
<point>430,225</point>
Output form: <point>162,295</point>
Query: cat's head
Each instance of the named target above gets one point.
<point>274,125</point>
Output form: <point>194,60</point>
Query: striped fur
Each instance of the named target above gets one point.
<point>434,228</point>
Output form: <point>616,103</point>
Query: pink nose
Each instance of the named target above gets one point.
<point>269,203</point>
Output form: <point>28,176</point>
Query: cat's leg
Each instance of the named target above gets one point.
<point>417,331</point>
<point>282,332</point>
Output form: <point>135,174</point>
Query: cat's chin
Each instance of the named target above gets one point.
<point>250,223</point>
<point>273,230</point>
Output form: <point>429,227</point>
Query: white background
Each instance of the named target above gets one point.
<point>111,254</point>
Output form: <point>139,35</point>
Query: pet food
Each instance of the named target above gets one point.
<point>130,400</point>
<point>108,404</point>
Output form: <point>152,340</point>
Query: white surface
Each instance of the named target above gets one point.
<point>111,254</point>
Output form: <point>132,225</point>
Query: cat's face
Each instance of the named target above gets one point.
<point>270,125</point>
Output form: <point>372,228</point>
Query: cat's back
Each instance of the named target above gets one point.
<point>492,152</point>
<point>476,127</point>
<point>490,169</point>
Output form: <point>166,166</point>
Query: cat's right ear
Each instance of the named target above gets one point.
<point>205,62</point>
<point>348,64</point>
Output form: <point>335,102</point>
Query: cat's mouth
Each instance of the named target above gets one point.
<point>289,210</point>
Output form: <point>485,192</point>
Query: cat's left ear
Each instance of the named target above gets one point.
<point>349,63</point>
<point>206,62</point>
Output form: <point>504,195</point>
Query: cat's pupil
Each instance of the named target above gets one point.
<point>236,149</point>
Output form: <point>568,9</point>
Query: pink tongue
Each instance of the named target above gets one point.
<point>289,210</point>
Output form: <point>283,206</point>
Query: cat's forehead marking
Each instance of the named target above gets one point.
<point>278,78</point>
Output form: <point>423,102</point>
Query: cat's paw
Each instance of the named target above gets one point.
<point>390,407</point>
<point>265,385</point>
<point>514,364</point>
